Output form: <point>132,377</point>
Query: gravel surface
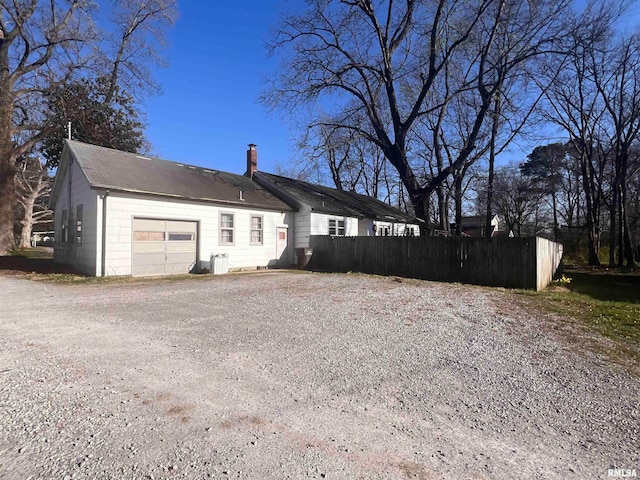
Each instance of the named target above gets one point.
<point>285,375</point>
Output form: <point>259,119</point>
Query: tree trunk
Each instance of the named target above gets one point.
<point>492,159</point>
<point>612,232</point>
<point>27,222</point>
<point>591,214</point>
<point>442,209</point>
<point>7,177</point>
<point>458,202</point>
<point>7,201</point>
<point>628,244</point>
<point>621,246</point>
<point>420,203</point>
<point>556,227</point>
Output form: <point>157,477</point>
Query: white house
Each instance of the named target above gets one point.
<point>118,213</point>
<point>321,210</point>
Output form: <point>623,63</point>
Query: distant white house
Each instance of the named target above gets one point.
<point>118,213</point>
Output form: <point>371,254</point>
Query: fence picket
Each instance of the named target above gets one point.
<point>527,262</point>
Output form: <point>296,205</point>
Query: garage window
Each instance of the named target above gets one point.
<point>256,230</point>
<point>227,233</point>
<point>180,237</point>
<point>142,236</point>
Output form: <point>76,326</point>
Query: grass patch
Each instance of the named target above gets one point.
<point>604,302</point>
<point>38,253</point>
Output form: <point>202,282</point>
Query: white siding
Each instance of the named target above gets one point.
<point>320,224</point>
<point>365,227</point>
<point>75,190</point>
<point>395,229</point>
<point>122,208</point>
<point>302,228</point>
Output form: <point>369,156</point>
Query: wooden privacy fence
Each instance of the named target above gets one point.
<point>529,262</point>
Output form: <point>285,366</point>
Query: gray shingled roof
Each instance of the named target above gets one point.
<point>334,202</point>
<point>106,168</point>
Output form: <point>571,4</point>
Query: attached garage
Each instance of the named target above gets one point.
<point>163,247</point>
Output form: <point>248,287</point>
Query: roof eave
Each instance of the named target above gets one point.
<point>239,203</point>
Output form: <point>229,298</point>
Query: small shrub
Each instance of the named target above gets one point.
<point>562,281</point>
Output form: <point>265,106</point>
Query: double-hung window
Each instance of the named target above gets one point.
<point>336,227</point>
<point>79,225</point>
<point>227,229</point>
<point>256,230</point>
<point>65,226</point>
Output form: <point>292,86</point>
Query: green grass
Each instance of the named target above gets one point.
<point>37,253</point>
<point>603,301</point>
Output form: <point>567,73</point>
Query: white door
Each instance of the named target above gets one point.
<point>281,247</point>
<point>163,247</point>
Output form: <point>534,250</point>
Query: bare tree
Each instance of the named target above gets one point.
<point>132,48</point>
<point>516,197</point>
<point>616,76</point>
<point>34,187</point>
<point>352,162</point>
<point>576,103</point>
<point>46,43</point>
<point>384,62</point>
<point>40,45</point>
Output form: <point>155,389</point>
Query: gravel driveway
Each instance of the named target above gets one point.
<point>285,375</point>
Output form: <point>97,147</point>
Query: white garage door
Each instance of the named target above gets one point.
<point>163,247</point>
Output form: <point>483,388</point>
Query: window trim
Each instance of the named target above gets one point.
<point>260,230</point>
<point>337,227</point>
<point>65,228</point>
<point>78,223</point>
<point>222,229</point>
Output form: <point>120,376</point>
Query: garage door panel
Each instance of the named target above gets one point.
<point>147,270</point>
<point>179,226</point>
<point>149,247</point>
<point>181,247</point>
<point>148,224</point>
<point>163,247</point>
<point>149,259</point>
<point>183,258</point>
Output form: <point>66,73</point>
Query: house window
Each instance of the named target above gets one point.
<point>65,232</point>
<point>226,229</point>
<point>142,236</point>
<point>256,230</point>
<point>79,225</point>
<point>336,227</point>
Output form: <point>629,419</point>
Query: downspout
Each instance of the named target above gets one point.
<point>104,234</point>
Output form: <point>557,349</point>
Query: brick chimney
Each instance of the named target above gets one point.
<point>252,160</point>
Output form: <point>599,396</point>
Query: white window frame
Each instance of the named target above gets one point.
<point>78,232</point>
<point>65,228</point>
<point>231,229</point>
<point>337,227</point>
<point>259,230</point>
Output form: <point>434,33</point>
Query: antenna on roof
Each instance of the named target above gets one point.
<point>69,130</point>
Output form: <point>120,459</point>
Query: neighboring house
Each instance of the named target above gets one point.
<point>118,213</point>
<point>475,226</point>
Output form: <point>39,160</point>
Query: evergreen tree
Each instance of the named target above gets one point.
<point>116,124</point>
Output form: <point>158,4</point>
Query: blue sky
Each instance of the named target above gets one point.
<point>208,111</point>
